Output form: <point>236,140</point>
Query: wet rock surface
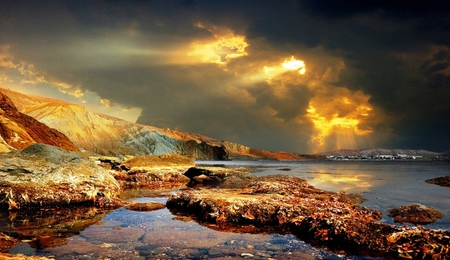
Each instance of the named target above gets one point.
<point>415,214</point>
<point>290,205</point>
<point>46,176</point>
<point>441,181</point>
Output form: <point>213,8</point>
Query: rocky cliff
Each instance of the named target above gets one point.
<point>18,131</point>
<point>100,134</point>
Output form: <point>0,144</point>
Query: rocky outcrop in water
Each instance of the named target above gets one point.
<point>283,204</point>
<point>415,213</point>
<point>441,181</point>
<point>18,130</point>
<point>46,176</point>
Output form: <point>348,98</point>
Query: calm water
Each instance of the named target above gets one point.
<point>124,234</point>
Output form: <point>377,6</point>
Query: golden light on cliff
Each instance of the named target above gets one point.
<point>342,118</point>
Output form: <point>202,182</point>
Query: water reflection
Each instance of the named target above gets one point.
<point>384,185</point>
<point>49,222</point>
<point>46,228</point>
<point>331,181</point>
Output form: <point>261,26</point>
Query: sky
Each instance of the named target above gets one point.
<point>304,76</point>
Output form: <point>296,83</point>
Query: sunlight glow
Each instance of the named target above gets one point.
<point>343,118</point>
<point>294,64</point>
<point>270,72</point>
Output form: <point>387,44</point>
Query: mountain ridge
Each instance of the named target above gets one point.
<point>102,134</point>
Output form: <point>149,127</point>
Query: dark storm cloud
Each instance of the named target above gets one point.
<point>134,53</point>
<point>343,8</point>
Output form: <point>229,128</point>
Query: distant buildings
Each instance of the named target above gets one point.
<point>375,157</point>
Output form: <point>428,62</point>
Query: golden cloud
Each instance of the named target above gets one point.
<point>224,46</point>
<point>341,113</point>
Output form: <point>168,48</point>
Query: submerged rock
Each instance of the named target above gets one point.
<point>283,204</point>
<point>415,214</point>
<point>47,176</point>
<point>112,235</point>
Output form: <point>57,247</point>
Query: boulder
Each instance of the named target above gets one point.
<point>49,154</point>
<point>47,176</point>
<point>218,177</point>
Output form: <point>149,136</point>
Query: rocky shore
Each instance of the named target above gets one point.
<point>283,204</point>
<point>43,176</point>
<point>43,186</point>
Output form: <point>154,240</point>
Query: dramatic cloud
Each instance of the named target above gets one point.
<point>304,76</point>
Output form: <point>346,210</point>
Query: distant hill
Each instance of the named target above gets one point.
<point>381,154</point>
<point>99,134</point>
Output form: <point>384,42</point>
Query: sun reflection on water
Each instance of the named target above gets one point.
<point>338,182</point>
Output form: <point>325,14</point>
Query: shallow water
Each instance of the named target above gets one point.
<point>125,234</point>
<point>384,184</point>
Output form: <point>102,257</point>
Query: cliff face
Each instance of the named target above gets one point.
<point>19,131</point>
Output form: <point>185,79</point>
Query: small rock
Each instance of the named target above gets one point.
<point>415,214</point>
